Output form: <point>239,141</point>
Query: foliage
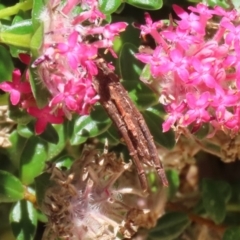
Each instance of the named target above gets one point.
<point>212,200</point>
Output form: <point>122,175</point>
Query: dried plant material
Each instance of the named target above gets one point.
<point>6,125</point>
<point>4,115</point>
<point>226,146</point>
<point>4,138</point>
<point>90,202</point>
<point>181,155</point>
<point>230,150</point>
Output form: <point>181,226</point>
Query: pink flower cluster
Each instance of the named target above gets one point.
<point>67,62</point>
<point>196,64</point>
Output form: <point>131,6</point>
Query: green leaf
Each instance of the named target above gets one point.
<point>6,164</point>
<point>130,35</point>
<point>112,135</point>
<point>19,27</point>
<point>4,213</point>
<point>36,151</point>
<point>154,121</point>
<point>2,6</point>
<point>14,152</point>
<point>203,131</point>
<point>54,135</point>
<point>130,67</point>
<point>146,4</point>
<point>93,125</point>
<point>38,6</point>
<point>109,6</point>
<point>18,40</point>
<point>173,181</point>
<point>40,93</point>
<point>146,75</point>
<point>55,149</point>
<point>232,233</point>
<point>215,195</point>
<point>11,189</point>
<point>3,99</point>
<point>23,218</point>
<point>6,64</point>
<point>19,17</point>
<point>121,8</point>
<point>22,5</point>
<point>24,131</point>
<point>42,217</point>
<point>33,159</point>
<point>141,95</point>
<point>170,226</point>
<point>235,192</point>
<point>36,42</point>
<point>42,182</point>
<point>64,162</point>
<point>18,115</point>
<point>220,3</point>
<point>50,135</point>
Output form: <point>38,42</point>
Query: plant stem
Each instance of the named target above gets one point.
<point>30,197</point>
<point>233,208</point>
<point>196,218</point>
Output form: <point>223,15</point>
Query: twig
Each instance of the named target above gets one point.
<point>129,121</point>
<point>196,218</point>
<point>30,197</point>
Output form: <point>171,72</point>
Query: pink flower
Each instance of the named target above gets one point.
<point>89,99</point>
<point>91,15</point>
<point>70,50</point>
<point>44,116</point>
<point>85,59</point>
<point>25,58</point>
<point>152,29</point>
<point>233,34</point>
<point>67,96</point>
<point>203,73</point>
<point>204,12</point>
<point>180,37</point>
<point>178,63</point>
<point>16,87</point>
<point>230,15</point>
<point>189,22</point>
<point>226,118</point>
<point>70,4</point>
<point>197,108</point>
<point>109,31</point>
<point>198,74</point>
<point>175,112</point>
<point>68,58</point>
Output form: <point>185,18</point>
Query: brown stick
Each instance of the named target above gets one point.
<point>129,121</point>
